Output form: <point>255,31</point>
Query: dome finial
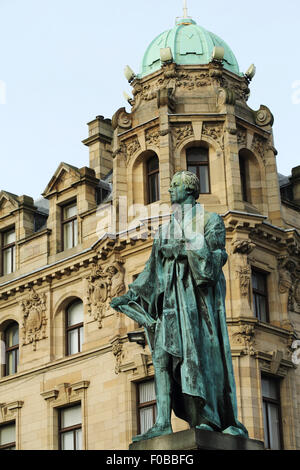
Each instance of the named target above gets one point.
<point>185,10</point>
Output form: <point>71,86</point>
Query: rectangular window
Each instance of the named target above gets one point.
<point>146,406</point>
<point>70,428</point>
<point>243,174</point>
<point>8,436</point>
<point>260,295</point>
<point>69,226</point>
<point>198,163</point>
<point>12,349</point>
<point>272,413</point>
<point>8,252</point>
<point>74,328</point>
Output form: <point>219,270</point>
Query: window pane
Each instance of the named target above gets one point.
<point>11,365</point>
<point>7,434</point>
<point>204,179</point>
<point>81,338</point>
<point>78,438</point>
<point>73,341</point>
<point>67,441</point>
<point>192,169</point>
<point>197,154</point>
<point>12,336</point>
<point>7,261</point>
<point>147,391</point>
<point>153,188</point>
<point>269,388</point>
<point>153,164</point>
<point>13,258</point>
<point>68,235</point>
<point>70,416</point>
<point>9,237</point>
<point>70,211</point>
<point>146,419</point>
<point>266,426</point>
<point>274,426</point>
<point>75,232</point>
<point>75,314</point>
<point>259,281</point>
<point>262,308</point>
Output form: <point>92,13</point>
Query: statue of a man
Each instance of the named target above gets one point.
<point>180,300</point>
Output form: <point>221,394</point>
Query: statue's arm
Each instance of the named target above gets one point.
<point>143,292</point>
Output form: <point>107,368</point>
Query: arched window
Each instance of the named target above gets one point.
<point>74,327</point>
<point>153,179</point>
<point>11,336</point>
<point>244,175</point>
<point>197,161</point>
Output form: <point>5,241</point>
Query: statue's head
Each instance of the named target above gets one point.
<point>184,186</point>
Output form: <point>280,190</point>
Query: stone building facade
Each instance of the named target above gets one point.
<point>72,374</point>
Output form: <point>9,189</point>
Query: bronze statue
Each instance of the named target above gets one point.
<point>180,300</point>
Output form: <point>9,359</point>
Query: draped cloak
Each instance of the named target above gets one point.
<point>183,294</point>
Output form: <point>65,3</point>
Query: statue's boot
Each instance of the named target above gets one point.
<point>235,431</point>
<point>205,427</point>
<point>163,403</point>
<point>155,431</point>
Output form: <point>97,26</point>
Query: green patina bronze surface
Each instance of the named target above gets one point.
<point>180,300</point>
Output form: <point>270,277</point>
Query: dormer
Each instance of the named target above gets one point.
<point>17,222</point>
<point>71,193</point>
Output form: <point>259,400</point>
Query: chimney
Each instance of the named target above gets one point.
<point>99,142</point>
<point>295,180</point>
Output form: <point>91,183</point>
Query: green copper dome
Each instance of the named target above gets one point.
<point>190,44</point>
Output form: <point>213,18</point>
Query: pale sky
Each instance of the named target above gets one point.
<point>62,62</point>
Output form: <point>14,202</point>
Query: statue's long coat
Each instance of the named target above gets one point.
<point>185,294</point>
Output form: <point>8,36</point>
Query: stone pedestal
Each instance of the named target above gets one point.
<point>196,439</point>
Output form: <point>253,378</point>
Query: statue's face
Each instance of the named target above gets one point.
<point>178,191</point>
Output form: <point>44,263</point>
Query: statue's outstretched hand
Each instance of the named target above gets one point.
<point>116,302</point>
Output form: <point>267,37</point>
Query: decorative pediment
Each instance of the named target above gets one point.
<point>8,202</point>
<point>64,177</point>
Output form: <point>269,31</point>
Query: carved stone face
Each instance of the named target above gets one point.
<point>178,191</point>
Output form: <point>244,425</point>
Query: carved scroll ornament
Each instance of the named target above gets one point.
<point>104,283</point>
<point>34,318</point>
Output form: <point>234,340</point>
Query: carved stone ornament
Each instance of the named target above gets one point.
<point>152,137</point>
<point>120,150</point>
<point>117,349</point>
<point>244,274</point>
<point>244,337</point>
<point>258,145</point>
<point>104,283</point>
<point>182,132</point>
<point>225,96</point>
<point>190,81</point>
<point>263,117</point>
<point>34,318</point>
<point>132,146</point>
<point>297,292</point>
<point>244,247</point>
<point>289,282</point>
<point>165,97</point>
<point>242,137</point>
<point>169,80</point>
<point>121,119</point>
<point>215,131</point>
